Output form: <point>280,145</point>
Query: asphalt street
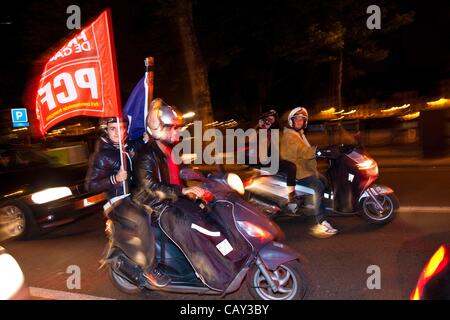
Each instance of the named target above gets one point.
<point>337,267</point>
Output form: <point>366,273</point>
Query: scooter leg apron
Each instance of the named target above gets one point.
<point>133,233</point>
<point>202,241</point>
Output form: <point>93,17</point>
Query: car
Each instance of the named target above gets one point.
<point>37,194</point>
<point>12,280</point>
<point>434,281</point>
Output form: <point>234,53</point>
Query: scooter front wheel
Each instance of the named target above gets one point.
<point>289,278</point>
<point>376,215</point>
<point>122,284</point>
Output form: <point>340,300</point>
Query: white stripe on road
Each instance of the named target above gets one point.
<point>417,209</point>
<point>62,295</point>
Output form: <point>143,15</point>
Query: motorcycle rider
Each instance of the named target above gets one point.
<point>105,174</point>
<point>269,120</point>
<point>296,148</point>
<point>156,176</point>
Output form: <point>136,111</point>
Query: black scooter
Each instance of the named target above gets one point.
<point>350,188</point>
<point>273,270</point>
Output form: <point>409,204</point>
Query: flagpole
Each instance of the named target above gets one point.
<point>123,164</point>
<point>149,63</point>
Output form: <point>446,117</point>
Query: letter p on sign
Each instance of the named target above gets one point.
<point>19,117</point>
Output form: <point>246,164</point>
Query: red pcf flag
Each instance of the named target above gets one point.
<point>81,78</point>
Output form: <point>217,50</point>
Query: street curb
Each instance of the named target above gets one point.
<point>50,294</point>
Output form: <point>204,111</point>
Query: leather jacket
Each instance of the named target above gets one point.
<point>152,189</point>
<point>105,164</point>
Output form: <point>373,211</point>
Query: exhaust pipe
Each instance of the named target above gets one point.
<point>267,207</point>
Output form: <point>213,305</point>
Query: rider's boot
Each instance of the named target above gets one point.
<point>294,204</point>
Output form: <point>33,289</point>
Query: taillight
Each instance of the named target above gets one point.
<point>436,264</point>
<point>248,182</point>
<point>254,231</point>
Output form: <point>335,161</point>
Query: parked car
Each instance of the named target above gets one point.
<point>434,281</point>
<point>37,194</point>
<point>12,280</point>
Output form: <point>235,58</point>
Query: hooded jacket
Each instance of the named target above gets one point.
<point>295,149</point>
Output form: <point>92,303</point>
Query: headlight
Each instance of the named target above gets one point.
<point>369,165</point>
<point>254,231</point>
<point>50,194</point>
<point>235,183</point>
<point>11,277</point>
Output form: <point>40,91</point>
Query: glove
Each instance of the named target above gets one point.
<point>198,193</point>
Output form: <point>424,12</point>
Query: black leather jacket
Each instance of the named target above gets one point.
<point>104,165</point>
<point>152,189</point>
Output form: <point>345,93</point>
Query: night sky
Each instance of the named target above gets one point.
<point>238,41</point>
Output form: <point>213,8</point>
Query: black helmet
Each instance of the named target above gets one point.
<point>103,125</point>
<point>265,118</point>
<point>269,113</point>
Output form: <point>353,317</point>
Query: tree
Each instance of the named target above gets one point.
<point>339,36</point>
<point>179,14</point>
<point>198,72</point>
<point>281,42</point>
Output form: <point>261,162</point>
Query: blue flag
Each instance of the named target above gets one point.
<point>135,111</point>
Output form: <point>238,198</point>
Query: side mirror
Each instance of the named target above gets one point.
<point>187,174</point>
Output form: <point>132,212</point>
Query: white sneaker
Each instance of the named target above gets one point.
<point>323,230</point>
<point>328,225</point>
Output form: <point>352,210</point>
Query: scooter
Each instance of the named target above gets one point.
<point>350,188</point>
<point>273,270</point>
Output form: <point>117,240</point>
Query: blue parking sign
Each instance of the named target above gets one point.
<point>19,117</point>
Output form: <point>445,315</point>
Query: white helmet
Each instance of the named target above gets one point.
<point>160,115</point>
<point>298,112</point>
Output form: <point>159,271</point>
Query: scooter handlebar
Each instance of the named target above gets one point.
<point>332,152</point>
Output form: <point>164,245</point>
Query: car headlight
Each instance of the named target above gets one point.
<point>11,277</point>
<point>235,183</point>
<point>50,194</point>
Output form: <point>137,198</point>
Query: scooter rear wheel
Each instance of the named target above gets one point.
<point>290,277</point>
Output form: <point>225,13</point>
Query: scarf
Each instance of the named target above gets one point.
<point>174,169</point>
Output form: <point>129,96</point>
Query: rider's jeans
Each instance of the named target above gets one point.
<point>290,169</point>
<point>318,185</point>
